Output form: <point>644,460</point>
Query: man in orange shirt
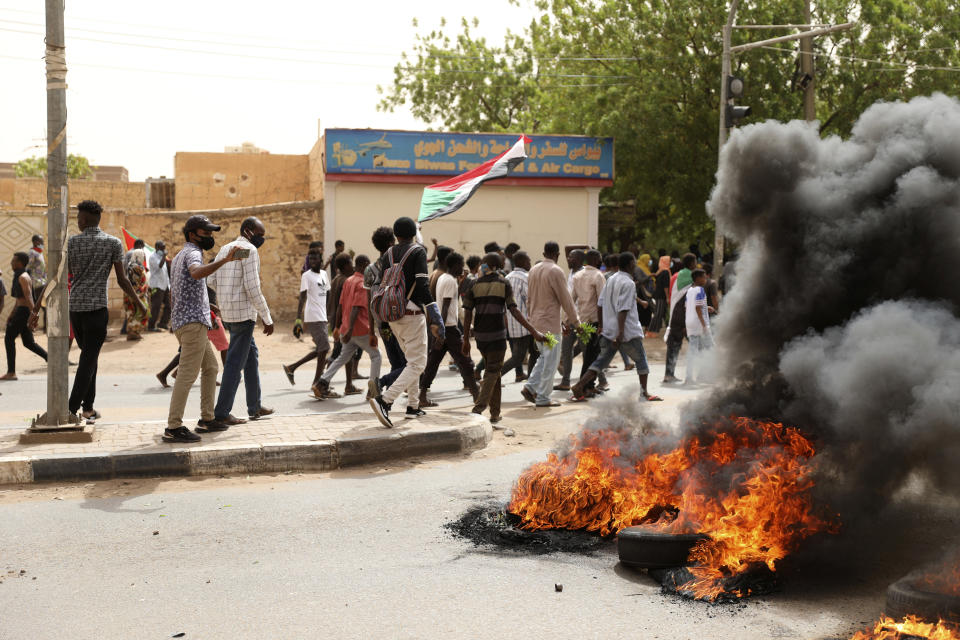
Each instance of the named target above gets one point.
<point>355,331</point>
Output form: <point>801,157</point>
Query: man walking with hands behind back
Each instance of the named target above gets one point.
<point>190,321</point>
<point>548,295</point>
<point>241,301</point>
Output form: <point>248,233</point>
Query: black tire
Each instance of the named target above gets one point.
<point>643,548</point>
<point>904,598</point>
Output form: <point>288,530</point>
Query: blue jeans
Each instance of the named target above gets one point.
<point>541,378</point>
<point>242,358</point>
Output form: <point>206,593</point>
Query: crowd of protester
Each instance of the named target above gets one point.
<point>523,313</point>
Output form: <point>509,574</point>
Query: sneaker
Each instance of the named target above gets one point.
<point>528,395</point>
<point>180,434</point>
<point>206,426</point>
<point>289,373</point>
<point>414,413</point>
<point>382,410</point>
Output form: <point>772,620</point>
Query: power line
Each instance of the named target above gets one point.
<point>906,66</point>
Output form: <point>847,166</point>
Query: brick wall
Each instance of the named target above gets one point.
<point>215,180</point>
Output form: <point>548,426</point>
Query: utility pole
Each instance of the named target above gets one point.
<point>807,71</point>
<point>58,324</point>
<point>806,59</point>
<point>725,69</point>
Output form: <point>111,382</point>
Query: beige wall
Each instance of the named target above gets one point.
<point>215,180</point>
<point>290,228</point>
<point>20,193</point>
<point>528,216</point>
<point>316,170</point>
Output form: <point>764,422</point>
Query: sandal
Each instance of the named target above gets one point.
<point>650,398</point>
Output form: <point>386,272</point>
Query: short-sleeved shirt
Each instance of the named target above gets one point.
<point>37,267</point>
<point>90,256</point>
<point>620,294</point>
<point>696,304</point>
<point>518,282</point>
<point>189,299</point>
<point>354,295</point>
<point>316,284</point>
<point>447,288</point>
<point>490,297</point>
<point>159,278</point>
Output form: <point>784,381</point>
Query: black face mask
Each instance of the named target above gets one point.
<point>205,242</point>
<point>256,241</point>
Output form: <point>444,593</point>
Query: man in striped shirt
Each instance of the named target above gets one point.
<point>521,342</point>
<point>485,305</point>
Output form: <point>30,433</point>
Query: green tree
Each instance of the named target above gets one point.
<point>78,167</point>
<point>647,73</point>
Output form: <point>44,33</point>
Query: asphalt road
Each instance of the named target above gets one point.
<point>353,555</point>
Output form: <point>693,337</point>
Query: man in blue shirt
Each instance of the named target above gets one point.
<point>190,321</point>
<point>619,328</point>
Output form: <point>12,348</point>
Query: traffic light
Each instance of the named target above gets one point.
<point>733,112</point>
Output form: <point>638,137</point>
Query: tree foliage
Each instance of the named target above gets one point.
<point>78,167</point>
<point>648,74</point>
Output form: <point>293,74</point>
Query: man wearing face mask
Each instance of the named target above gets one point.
<point>241,301</point>
<point>190,321</point>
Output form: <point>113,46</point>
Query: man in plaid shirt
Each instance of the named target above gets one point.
<point>521,342</point>
<point>240,300</point>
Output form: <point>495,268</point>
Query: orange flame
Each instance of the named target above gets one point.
<point>746,484</point>
<point>910,627</point>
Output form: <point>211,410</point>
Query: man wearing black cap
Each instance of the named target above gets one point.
<point>410,329</point>
<point>190,321</point>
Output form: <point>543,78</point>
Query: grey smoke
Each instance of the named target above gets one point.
<point>844,319</point>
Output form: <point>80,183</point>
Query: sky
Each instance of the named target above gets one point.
<point>146,81</point>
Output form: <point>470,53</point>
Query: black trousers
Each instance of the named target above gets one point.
<point>519,348</point>
<point>452,343</point>
<point>674,343</point>
<point>90,330</point>
<point>17,327</point>
<point>159,298</point>
<point>591,350</point>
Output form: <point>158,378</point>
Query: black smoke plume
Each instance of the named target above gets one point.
<point>843,320</point>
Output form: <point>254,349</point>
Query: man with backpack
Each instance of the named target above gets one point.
<point>403,300</point>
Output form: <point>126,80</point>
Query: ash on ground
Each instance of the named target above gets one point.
<point>490,525</point>
<point>758,580</point>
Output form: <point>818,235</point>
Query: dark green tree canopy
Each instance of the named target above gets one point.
<point>648,74</point>
<point>78,167</point>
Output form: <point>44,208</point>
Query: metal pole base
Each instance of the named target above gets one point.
<point>73,431</point>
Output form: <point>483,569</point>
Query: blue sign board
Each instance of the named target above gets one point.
<point>378,152</point>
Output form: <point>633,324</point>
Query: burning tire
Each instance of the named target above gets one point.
<point>904,598</point>
<point>641,548</point>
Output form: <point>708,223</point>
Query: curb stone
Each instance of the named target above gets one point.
<point>469,434</point>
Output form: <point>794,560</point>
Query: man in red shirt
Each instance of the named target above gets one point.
<point>355,331</point>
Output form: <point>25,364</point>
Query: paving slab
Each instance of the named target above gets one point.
<point>317,442</point>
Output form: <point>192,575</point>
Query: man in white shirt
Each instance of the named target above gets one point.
<point>159,283</point>
<point>241,301</point>
<point>520,340</point>
<point>698,323</point>
<point>312,313</point>
<point>448,297</point>
<point>619,328</point>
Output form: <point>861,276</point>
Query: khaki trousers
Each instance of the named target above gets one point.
<point>197,357</point>
<point>411,334</point>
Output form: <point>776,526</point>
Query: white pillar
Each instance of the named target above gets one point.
<point>329,216</point>
<point>593,215</point>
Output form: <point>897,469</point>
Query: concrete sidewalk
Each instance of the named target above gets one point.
<point>317,442</point>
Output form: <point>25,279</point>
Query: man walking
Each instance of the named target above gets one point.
<point>491,296</point>
<point>409,329</point>
<point>382,240</point>
<point>620,329</point>
<point>312,313</point>
<point>548,295</point>
<point>241,302</point>
<point>18,322</point>
<point>678,317</point>
<point>355,333</point>
<point>570,346</point>
<point>588,282</point>
<point>159,283</point>
<point>37,269</point>
<point>90,255</point>
<point>190,321</point>
<point>521,342</point>
<point>448,297</point>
